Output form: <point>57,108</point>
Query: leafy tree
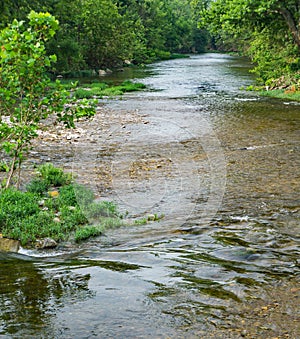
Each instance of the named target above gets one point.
<point>268,29</point>
<point>26,96</point>
<point>103,33</point>
<point>67,44</point>
<point>105,38</point>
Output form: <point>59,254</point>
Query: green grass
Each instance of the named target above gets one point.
<point>281,94</point>
<point>100,90</point>
<point>70,212</point>
<point>53,176</point>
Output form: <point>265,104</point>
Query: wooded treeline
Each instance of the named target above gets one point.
<point>97,34</point>
<point>266,30</point>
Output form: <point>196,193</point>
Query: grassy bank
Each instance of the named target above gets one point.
<point>101,89</point>
<point>55,207</point>
<point>96,89</point>
<point>281,94</point>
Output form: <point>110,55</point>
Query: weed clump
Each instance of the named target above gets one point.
<point>54,207</point>
<point>100,90</point>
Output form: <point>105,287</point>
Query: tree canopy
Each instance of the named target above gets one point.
<point>268,30</point>
<point>97,34</point>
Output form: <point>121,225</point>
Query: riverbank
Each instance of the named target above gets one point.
<point>282,94</point>
<point>287,87</point>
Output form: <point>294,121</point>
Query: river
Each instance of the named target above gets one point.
<point>220,165</point>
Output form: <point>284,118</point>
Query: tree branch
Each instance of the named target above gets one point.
<point>292,24</point>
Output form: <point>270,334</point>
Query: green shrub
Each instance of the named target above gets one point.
<point>82,93</point>
<point>28,216</point>
<point>101,209</point>
<point>100,85</point>
<point>84,196</point>
<point>67,196</point>
<point>16,205</point>
<point>72,217</point>
<point>54,176</point>
<point>38,186</point>
<point>84,233</point>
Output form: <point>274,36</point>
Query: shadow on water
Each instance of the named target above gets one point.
<point>223,166</point>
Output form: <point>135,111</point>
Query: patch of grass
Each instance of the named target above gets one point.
<point>139,222</point>
<point>282,94</point>
<point>102,89</point>
<point>108,223</point>
<point>38,186</point>
<point>69,212</point>
<point>100,85</point>
<point>101,209</point>
<point>82,93</point>
<point>87,232</point>
<point>54,176</point>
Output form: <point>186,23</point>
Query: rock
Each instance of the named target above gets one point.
<point>41,202</point>
<point>151,217</point>
<point>101,72</point>
<point>45,243</point>
<point>9,245</point>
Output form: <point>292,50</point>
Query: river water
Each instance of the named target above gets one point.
<point>221,165</point>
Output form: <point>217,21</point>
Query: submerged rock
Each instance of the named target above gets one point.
<point>9,245</point>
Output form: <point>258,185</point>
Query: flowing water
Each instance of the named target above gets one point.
<point>222,166</point>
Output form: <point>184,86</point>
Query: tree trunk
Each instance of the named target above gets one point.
<point>11,171</point>
<point>292,24</point>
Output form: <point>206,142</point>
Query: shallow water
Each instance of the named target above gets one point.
<point>222,166</point>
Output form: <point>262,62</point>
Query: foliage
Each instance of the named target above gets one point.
<point>87,232</point>
<point>100,90</point>
<point>53,176</point>
<point>25,95</point>
<point>34,214</point>
<point>282,94</point>
<point>97,34</point>
<point>37,186</point>
<point>268,30</point>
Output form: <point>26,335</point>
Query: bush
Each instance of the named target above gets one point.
<point>100,85</point>
<point>16,205</point>
<point>84,233</point>
<point>28,216</point>
<point>38,186</point>
<point>54,176</point>
<point>82,93</point>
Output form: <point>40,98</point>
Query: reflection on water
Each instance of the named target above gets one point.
<point>236,275</point>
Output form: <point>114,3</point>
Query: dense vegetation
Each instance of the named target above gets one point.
<point>96,34</point>
<point>266,30</point>
<point>53,206</point>
<point>26,95</point>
